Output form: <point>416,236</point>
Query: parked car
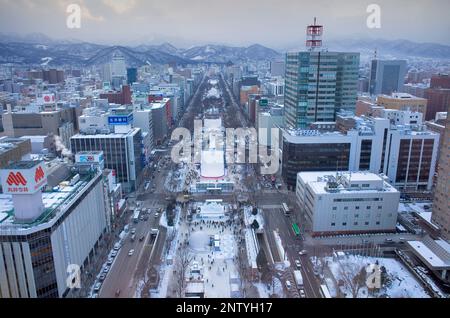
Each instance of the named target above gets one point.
<point>114,253</point>
<point>141,238</point>
<point>298,265</point>
<point>106,269</point>
<point>133,231</point>
<point>102,277</point>
<point>302,293</point>
<point>110,261</point>
<point>97,287</point>
<point>156,215</point>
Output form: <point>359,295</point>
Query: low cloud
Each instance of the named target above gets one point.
<point>120,6</point>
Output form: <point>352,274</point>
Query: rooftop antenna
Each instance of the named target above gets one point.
<point>314,34</point>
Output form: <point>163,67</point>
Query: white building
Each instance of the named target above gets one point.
<point>143,119</point>
<point>360,202</point>
<point>118,67</point>
<point>39,241</point>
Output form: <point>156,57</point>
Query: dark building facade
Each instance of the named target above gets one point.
<point>306,157</point>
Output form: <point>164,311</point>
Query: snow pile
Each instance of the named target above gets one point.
<point>199,241</point>
<point>252,247</point>
<point>213,93</point>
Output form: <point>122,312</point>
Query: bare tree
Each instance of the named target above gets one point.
<point>352,275</point>
<point>181,267</point>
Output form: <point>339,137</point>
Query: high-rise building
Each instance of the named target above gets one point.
<point>277,68</point>
<point>118,66</point>
<point>438,95</point>
<point>44,232</point>
<point>387,76</point>
<point>441,204</point>
<point>53,76</point>
<point>318,85</point>
<point>123,149</point>
<point>132,75</point>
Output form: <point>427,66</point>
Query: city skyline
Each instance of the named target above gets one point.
<point>279,25</point>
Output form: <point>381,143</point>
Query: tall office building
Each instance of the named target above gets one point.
<point>438,95</point>
<point>318,85</point>
<point>132,74</point>
<point>123,149</point>
<point>277,68</point>
<point>441,205</point>
<point>118,66</point>
<point>387,76</point>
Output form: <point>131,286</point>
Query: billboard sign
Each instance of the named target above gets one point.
<point>24,180</point>
<point>117,120</point>
<point>48,98</point>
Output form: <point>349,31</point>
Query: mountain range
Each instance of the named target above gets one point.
<point>38,49</point>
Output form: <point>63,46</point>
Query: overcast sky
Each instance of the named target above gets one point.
<point>275,23</point>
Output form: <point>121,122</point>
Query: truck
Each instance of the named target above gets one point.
<point>136,216</point>
<point>298,278</point>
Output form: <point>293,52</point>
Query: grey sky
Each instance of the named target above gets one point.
<point>275,23</point>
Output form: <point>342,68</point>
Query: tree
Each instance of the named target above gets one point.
<point>255,211</point>
<point>255,224</point>
<point>181,267</point>
<point>352,274</point>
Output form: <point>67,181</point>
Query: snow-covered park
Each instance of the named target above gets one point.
<point>350,276</point>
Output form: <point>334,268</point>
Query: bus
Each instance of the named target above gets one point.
<point>298,279</point>
<point>296,229</point>
<point>325,292</point>
<point>136,216</point>
<point>286,209</point>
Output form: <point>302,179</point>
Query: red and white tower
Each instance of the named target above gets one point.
<point>314,35</point>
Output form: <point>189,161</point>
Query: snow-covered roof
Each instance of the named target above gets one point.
<point>435,254</point>
<point>213,164</point>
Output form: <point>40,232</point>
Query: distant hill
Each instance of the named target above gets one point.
<point>38,49</point>
<point>223,53</point>
<point>391,48</point>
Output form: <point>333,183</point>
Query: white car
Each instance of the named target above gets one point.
<point>298,265</point>
<point>130,253</point>
<point>303,252</point>
<point>133,231</point>
<point>97,287</point>
<point>302,293</point>
<point>288,285</point>
<point>114,253</point>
